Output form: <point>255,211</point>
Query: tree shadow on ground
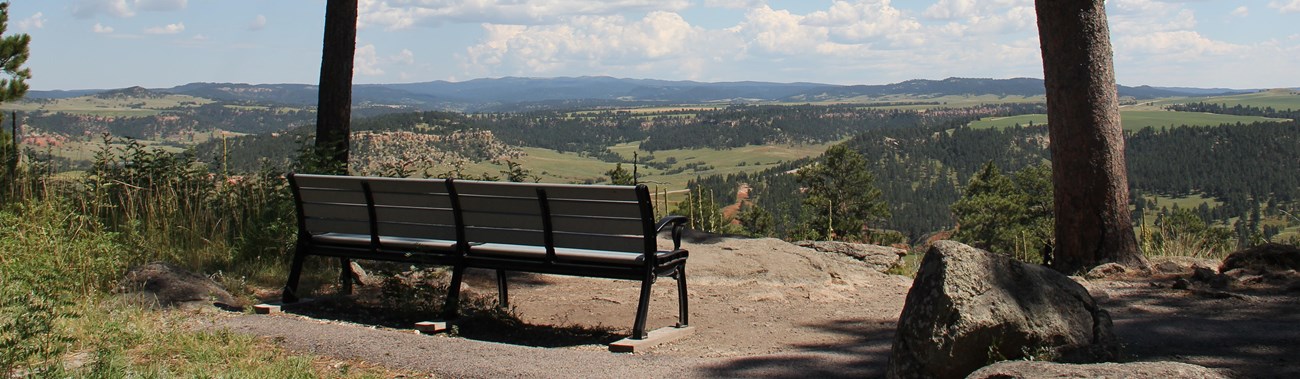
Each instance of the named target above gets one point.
<point>1251,331</point>
<point>865,354</point>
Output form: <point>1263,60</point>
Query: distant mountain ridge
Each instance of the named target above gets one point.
<point>516,92</point>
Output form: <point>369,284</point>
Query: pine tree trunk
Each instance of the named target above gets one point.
<point>1093,225</point>
<point>334,107</point>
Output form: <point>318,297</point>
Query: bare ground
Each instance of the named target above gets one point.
<point>765,308</point>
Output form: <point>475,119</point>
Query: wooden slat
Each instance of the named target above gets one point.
<point>336,211</point>
<point>480,188</point>
<point>594,208</point>
<point>328,181</point>
<point>586,192</point>
<point>442,232</point>
<point>317,226</point>
<point>507,236</point>
<point>597,225</point>
<point>502,205</point>
<point>494,220</point>
<point>314,195</point>
<point>600,242</point>
<point>415,215</point>
<point>408,185</point>
<point>411,199</point>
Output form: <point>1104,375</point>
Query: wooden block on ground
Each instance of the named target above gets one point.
<point>652,339</point>
<point>265,309</point>
<point>431,327</point>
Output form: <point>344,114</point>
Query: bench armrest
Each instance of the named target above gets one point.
<point>678,223</point>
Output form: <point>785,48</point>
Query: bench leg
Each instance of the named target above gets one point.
<point>345,276</point>
<point>451,309</point>
<point>642,308</point>
<point>290,293</point>
<point>501,290</point>
<point>683,314</point>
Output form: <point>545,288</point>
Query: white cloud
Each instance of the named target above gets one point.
<point>366,61</point>
<point>400,14</point>
<point>101,29</point>
<point>865,21</point>
<point>91,8</point>
<point>258,23</point>
<point>595,44</point>
<point>1179,45</point>
<point>161,5</point>
<point>1289,6</point>
<point>733,4</point>
<point>1241,11</point>
<point>406,56</point>
<point>36,21</point>
<point>167,29</point>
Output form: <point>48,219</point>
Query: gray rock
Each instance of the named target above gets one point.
<point>1108,270</point>
<point>1269,257</point>
<point>167,285</point>
<point>968,307</point>
<point>879,258</point>
<point>1033,369</point>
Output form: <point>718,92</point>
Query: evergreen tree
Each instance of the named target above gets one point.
<point>1007,215</point>
<point>13,86</point>
<point>840,197</point>
<point>620,176</point>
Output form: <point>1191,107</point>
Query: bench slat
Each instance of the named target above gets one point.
<point>506,236</point>
<point>632,244</point>
<point>438,232</point>
<point>321,226</point>
<point>500,205</point>
<point>335,211</point>
<point>495,220</point>
<point>597,225</point>
<point>503,189</point>
<point>589,192</point>
<point>562,207</point>
<point>318,195</point>
<point>435,216</point>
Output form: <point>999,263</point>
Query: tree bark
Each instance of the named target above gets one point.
<point>1093,224</point>
<point>334,104</point>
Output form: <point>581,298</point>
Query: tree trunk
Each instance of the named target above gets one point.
<point>1093,225</point>
<point>334,106</point>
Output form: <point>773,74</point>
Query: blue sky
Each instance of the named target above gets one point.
<point>81,44</point>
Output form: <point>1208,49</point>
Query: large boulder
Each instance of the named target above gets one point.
<point>1045,370</point>
<point>1266,258</point>
<point>968,307</point>
<point>167,286</point>
<point>879,258</point>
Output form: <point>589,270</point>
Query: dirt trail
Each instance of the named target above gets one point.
<point>766,308</point>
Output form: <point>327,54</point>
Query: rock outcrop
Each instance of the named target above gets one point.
<point>1037,370</point>
<point>968,307</point>
<point>879,258</point>
<point>168,286</point>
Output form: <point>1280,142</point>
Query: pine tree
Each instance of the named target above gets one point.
<point>14,52</point>
<point>840,197</point>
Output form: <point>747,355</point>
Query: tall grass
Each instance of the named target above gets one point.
<point>65,242</point>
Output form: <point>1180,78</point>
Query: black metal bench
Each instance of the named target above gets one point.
<point>578,230</point>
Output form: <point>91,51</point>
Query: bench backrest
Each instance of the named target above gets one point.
<point>610,218</point>
<point>592,217</point>
<point>330,204</point>
<point>414,208</point>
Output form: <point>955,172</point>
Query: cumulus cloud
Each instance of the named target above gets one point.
<point>400,14</point>
<point>161,5</point>
<point>36,21</point>
<point>101,29</point>
<point>733,4</point>
<point>166,29</point>
<point>366,61</point>
<point>258,23</point>
<point>1288,6</point>
<point>91,8</point>
<point>1241,11</point>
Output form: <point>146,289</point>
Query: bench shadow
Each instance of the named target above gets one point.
<point>865,354</point>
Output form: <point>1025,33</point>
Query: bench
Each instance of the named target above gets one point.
<point>579,230</point>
